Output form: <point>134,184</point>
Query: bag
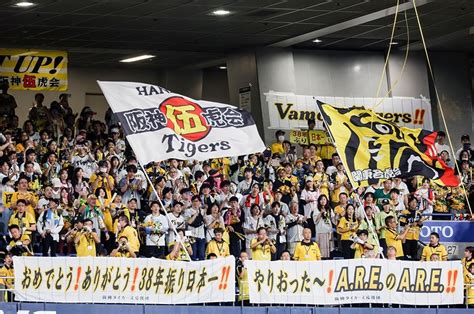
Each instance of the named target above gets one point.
<point>198,221</point>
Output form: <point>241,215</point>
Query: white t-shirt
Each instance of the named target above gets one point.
<point>161,224</point>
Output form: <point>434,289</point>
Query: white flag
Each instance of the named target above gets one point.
<point>160,125</point>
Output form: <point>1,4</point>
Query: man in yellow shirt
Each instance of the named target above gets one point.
<point>364,248</point>
<point>307,250</point>
<point>20,243</point>
<point>217,245</point>
<point>125,230</point>
<point>86,239</point>
<point>123,249</point>
<point>277,147</point>
<point>434,248</point>
<point>393,238</point>
<point>23,219</point>
<point>262,247</point>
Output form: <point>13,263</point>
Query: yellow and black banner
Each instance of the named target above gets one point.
<point>33,69</point>
<point>373,149</point>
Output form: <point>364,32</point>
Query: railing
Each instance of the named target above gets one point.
<point>246,303</point>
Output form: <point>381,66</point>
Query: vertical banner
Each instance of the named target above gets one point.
<point>122,280</point>
<point>34,69</point>
<point>355,281</point>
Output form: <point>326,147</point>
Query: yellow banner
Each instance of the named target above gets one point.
<point>306,137</point>
<point>7,199</point>
<point>34,69</point>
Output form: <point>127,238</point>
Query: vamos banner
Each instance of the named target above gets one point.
<point>290,111</point>
<point>160,124</point>
<point>123,280</point>
<point>34,69</point>
<point>355,281</point>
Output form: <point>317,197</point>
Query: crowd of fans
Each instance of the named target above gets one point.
<point>71,185</point>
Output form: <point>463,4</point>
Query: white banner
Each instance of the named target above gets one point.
<point>355,281</point>
<point>122,280</point>
<point>289,111</point>
<point>160,124</point>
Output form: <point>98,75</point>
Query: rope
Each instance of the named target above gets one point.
<point>403,66</point>
<point>439,102</point>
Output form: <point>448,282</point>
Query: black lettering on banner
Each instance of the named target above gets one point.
<point>149,90</point>
<point>173,143</point>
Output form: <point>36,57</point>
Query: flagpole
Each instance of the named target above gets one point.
<point>164,208</point>
<point>438,100</point>
<point>350,178</point>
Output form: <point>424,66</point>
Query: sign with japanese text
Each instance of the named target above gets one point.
<point>306,137</point>
<point>289,111</point>
<point>122,280</point>
<point>355,281</point>
<point>34,69</point>
<point>160,124</point>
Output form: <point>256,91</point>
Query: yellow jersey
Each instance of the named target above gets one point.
<point>430,250</point>
<point>261,252</point>
<point>26,221</point>
<point>7,271</point>
<point>277,148</point>
<point>465,267</point>
<point>86,246</point>
<point>132,237</point>
<point>307,251</point>
<point>345,224</point>
<point>221,249</point>
<point>182,254</point>
<point>391,239</point>
<point>244,285</point>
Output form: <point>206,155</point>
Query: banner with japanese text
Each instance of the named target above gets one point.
<point>122,280</point>
<point>306,137</point>
<point>160,124</point>
<point>288,111</point>
<point>355,281</point>
<point>34,69</point>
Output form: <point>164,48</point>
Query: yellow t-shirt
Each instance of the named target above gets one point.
<point>7,271</point>
<point>261,252</point>
<point>466,264</point>
<point>24,222</point>
<point>322,179</point>
<point>345,224</point>
<point>339,210</point>
<point>244,285</point>
<point>86,246</point>
<point>29,196</point>
<point>132,237</point>
<point>220,249</point>
<point>307,252</point>
<point>101,183</point>
<point>430,250</point>
<point>277,148</point>
<point>390,238</point>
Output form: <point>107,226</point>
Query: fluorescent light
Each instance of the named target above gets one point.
<point>143,57</point>
<point>394,43</point>
<point>357,68</point>
<point>220,12</point>
<point>223,67</point>
<point>24,4</point>
<point>317,40</point>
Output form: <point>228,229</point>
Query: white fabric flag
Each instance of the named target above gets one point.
<point>161,125</point>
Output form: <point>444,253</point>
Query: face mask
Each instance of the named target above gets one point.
<point>281,138</point>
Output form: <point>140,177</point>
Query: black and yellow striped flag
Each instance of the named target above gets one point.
<point>373,149</point>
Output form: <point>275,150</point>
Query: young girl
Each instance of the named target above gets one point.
<point>323,219</point>
<point>309,197</point>
<point>213,221</point>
